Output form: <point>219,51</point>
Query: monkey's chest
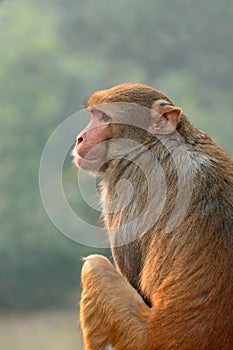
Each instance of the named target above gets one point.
<point>129,262</point>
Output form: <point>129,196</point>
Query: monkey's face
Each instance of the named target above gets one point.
<point>122,119</point>
<point>115,129</point>
<point>90,151</point>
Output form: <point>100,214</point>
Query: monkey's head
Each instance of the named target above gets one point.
<point>125,112</point>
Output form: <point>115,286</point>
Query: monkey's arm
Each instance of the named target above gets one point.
<point>111,311</point>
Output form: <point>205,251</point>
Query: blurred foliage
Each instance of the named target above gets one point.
<point>53,55</point>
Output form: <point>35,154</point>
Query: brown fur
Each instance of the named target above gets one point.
<point>171,290</point>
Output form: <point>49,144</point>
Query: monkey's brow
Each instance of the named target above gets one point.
<point>163,103</point>
<point>93,109</point>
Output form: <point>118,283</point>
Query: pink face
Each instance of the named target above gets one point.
<point>90,150</point>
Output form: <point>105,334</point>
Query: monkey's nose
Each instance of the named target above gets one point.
<point>80,139</point>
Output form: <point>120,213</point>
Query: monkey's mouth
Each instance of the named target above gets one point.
<point>86,163</point>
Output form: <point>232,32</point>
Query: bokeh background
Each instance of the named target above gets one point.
<point>53,54</point>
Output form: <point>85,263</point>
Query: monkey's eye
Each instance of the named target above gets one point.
<point>105,117</point>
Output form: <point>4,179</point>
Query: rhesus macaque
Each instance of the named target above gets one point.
<point>173,283</point>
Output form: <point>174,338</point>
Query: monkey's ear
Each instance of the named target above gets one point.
<point>164,117</point>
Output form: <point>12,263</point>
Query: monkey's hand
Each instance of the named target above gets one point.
<point>110,309</point>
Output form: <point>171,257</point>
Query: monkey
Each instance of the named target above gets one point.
<point>170,227</point>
